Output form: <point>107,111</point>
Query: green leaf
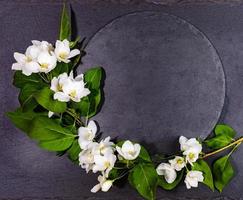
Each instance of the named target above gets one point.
<point>169,186</point>
<point>73,151</point>
<point>22,120</point>
<point>222,129</point>
<point>59,69</point>
<point>74,43</point>
<point>58,144</point>
<point>93,78</point>
<point>44,128</point>
<point>50,135</point>
<point>144,178</point>
<point>223,172</point>
<point>26,97</point>
<point>45,98</point>
<point>202,166</point>
<point>218,141</point>
<point>224,135</point>
<point>144,154</point>
<point>88,106</point>
<point>65,27</point>
<point>20,80</point>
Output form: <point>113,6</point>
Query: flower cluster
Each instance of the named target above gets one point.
<point>100,156</point>
<point>41,56</point>
<point>68,88</point>
<point>191,150</point>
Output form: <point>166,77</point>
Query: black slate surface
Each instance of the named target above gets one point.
<point>26,172</point>
<point>163,79</point>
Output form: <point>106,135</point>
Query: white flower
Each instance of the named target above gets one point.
<point>58,82</point>
<point>86,135</point>
<point>103,184</point>
<point>191,156</point>
<point>104,163</point>
<point>47,61</point>
<point>191,149</point>
<point>187,144</point>
<point>37,58</point>
<point>178,163</point>
<point>63,52</point>
<point>103,147</point>
<point>25,64</point>
<point>167,171</point>
<point>129,151</point>
<point>86,159</point>
<point>192,179</point>
<point>34,50</point>
<point>67,88</point>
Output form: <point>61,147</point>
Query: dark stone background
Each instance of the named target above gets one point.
<point>27,172</point>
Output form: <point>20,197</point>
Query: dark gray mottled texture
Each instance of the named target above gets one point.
<point>30,173</point>
<point>163,79</point>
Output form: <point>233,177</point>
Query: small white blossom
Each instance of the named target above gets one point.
<point>129,151</point>
<point>86,159</point>
<point>178,163</point>
<point>86,135</point>
<point>191,149</point>
<point>187,144</point>
<point>166,170</point>
<point>67,88</point>
<point>28,62</point>
<point>104,163</point>
<point>105,146</point>
<point>46,61</point>
<point>192,179</point>
<point>103,184</point>
<point>63,52</point>
<point>25,64</point>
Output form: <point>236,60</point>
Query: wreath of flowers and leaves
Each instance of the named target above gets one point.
<point>56,107</point>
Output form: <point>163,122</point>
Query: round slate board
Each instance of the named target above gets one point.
<point>163,79</point>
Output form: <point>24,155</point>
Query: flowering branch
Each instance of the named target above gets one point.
<point>237,142</point>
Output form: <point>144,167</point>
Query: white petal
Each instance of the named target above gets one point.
<point>127,146</point>
<point>17,66</point>
<point>50,114</point>
<point>106,186</point>
<point>92,126</point>
<point>19,57</point>
<point>170,176</point>
<point>96,188</point>
<point>60,96</point>
<point>73,53</point>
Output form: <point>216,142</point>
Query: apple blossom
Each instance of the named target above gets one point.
<point>129,151</point>
<point>25,64</point>
<point>178,163</point>
<point>103,184</point>
<point>103,147</point>
<point>67,88</point>
<point>192,179</point>
<point>63,52</point>
<point>87,134</point>
<point>46,61</point>
<point>86,159</point>
<point>166,170</point>
<point>191,149</point>
<point>104,163</point>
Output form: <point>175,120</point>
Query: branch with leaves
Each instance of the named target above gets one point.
<point>56,107</point>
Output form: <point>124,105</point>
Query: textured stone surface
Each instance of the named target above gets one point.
<point>163,79</point>
<point>30,173</point>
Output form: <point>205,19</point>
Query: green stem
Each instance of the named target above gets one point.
<point>43,78</point>
<point>236,142</point>
<point>76,118</point>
